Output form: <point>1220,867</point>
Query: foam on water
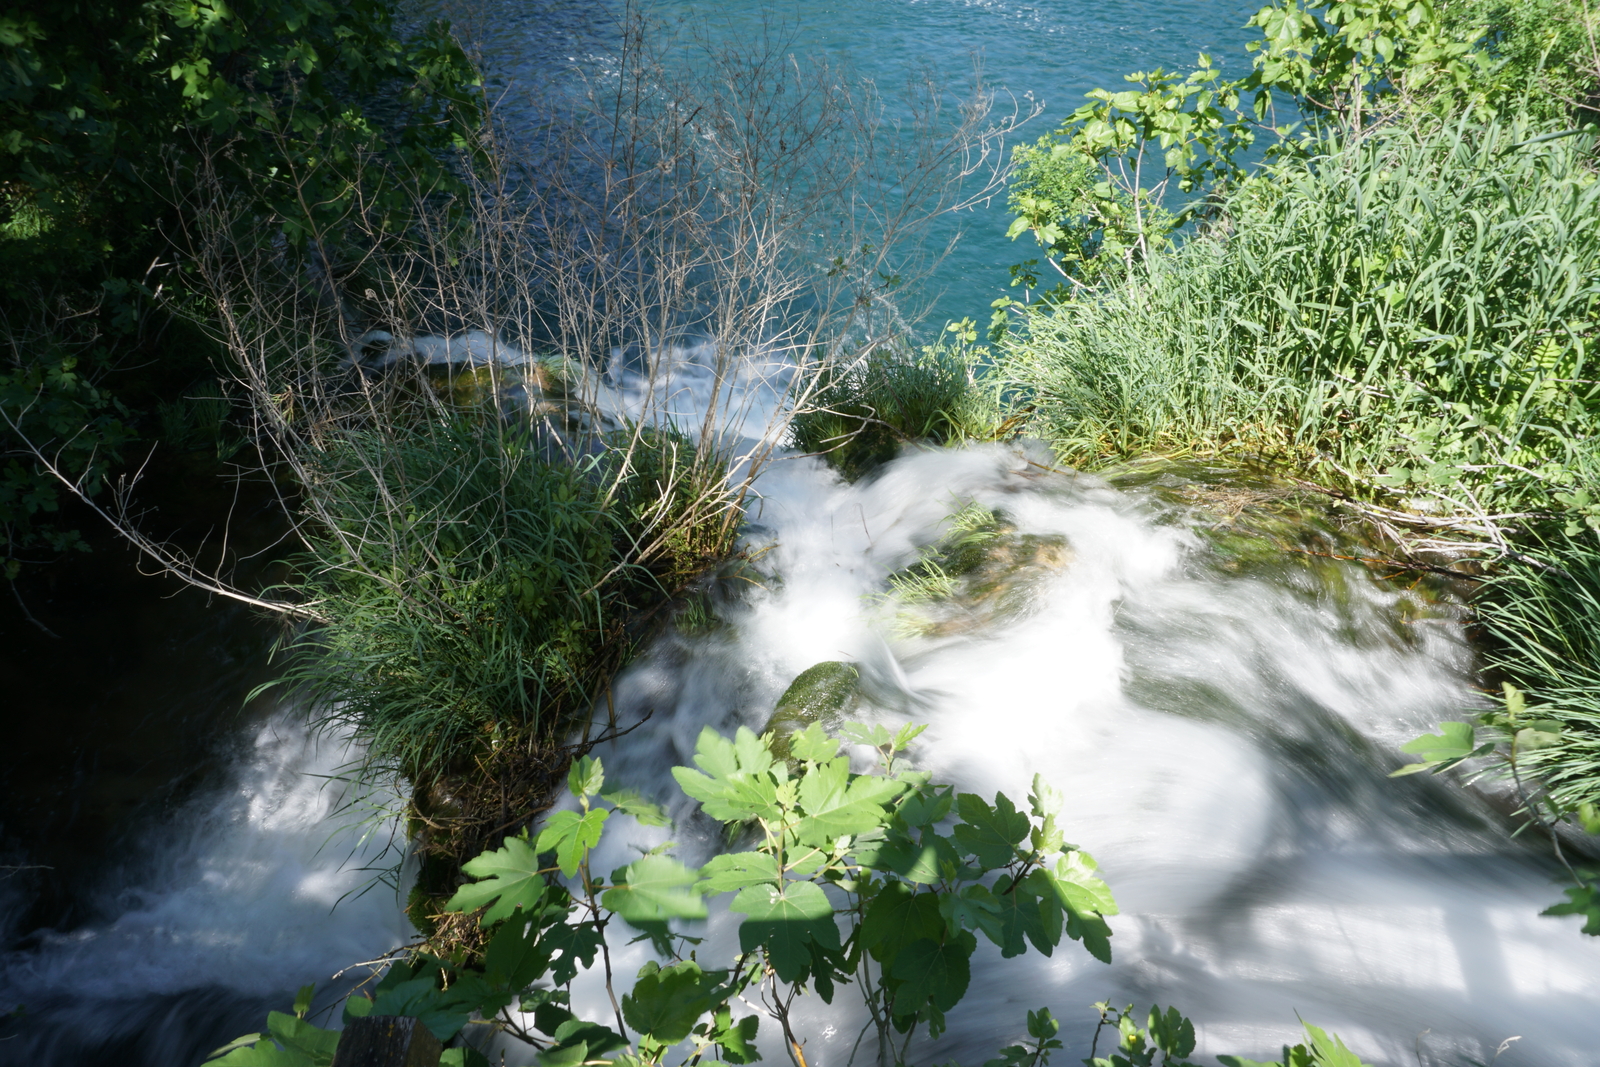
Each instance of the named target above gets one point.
<point>232,909</point>
<point>1222,739</point>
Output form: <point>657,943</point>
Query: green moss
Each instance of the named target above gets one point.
<point>825,692</point>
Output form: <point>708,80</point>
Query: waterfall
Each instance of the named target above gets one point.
<point>1222,726</point>
<point>240,897</point>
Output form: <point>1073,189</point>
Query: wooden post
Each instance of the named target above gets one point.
<point>387,1041</point>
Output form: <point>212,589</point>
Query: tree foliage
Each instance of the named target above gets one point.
<point>105,109</point>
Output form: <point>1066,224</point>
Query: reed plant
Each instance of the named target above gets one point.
<point>863,412</point>
<point>1411,311</point>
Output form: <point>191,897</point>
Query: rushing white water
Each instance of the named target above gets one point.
<point>238,899</point>
<point>1222,734</point>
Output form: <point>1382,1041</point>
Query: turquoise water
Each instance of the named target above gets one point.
<point>1052,52</point>
<point>1049,52</point>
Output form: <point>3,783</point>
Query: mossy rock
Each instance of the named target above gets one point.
<point>824,693</point>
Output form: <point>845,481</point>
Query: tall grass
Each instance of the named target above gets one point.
<point>1413,309</point>
<point>863,412</point>
<point>1543,627</point>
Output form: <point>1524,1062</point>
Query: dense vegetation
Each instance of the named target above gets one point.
<point>107,109</point>
<point>1398,305</point>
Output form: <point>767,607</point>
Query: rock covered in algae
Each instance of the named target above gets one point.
<point>825,693</point>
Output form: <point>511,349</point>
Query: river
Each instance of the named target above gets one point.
<point>1220,717</point>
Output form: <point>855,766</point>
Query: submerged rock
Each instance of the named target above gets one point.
<point>823,693</point>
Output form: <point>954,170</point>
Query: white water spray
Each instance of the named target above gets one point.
<point>245,895</point>
<point>1222,736</point>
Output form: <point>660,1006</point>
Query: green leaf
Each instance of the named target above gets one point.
<point>1079,887</point>
<point>973,908</point>
<point>1581,900</point>
<point>571,836</point>
<point>510,880</point>
<point>653,889</point>
<point>666,1002</point>
<point>934,973</point>
<point>629,802</point>
<point>565,1055</point>
<point>924,809</point>
<point>596,1038</point>
<point>785,922</point>
<point>1171,1032</point>
<point>735,785</point>
<point>897,853</point>
<point>261,1054</point>
<point>737,1040</point>
<point>1452,744</point>
<point>443,1012</point>
<point>585,778</point>
<point>837,803</point>
<point>1329,1051</point>
<point>898,916</point>
<point>293,1032</point>
<point>736,870</point>
<point>990,834</point>
<point>1044,799</point>
<point>813,744</point>
<point>515,956</point>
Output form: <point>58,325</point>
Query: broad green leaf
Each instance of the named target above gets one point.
<point>629,802</point>
<point>1079,887</point>
<point>934,973</point>
<point>421,999</point>
<point>261,1054</point>
<point>571,835</point>
<point>653,889</point>
<point>785,922</point>
<point>1171,1032</point>
<point>898,916</point>
<point>515,956</point>
<point>924,809</point>
<point>463,1057</point>
<point>571,944</point>
<point>735,785</point>
<point>597,1038</point>
<point>1540,733</point>
<point>666,1002</point>
<point>1453,742</point>
<point>295,1033</point>
<point>813,744</point>
<point>565,1055</point>
<point>1044,799</point>
<point>836,803</point>
<point>973,908</point>
<point>1581,900</point>
<point>510,880</point>
<point>1093,931</point>
<point>736,870</point>
<point>1329,1051</point>
<point>900,855</point>
<point>737,1040</point>
<point>991,834</point>
<point>585,778</point>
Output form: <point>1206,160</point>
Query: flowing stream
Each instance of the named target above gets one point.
<point>1220,710</point>
<point>1221,713</point>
